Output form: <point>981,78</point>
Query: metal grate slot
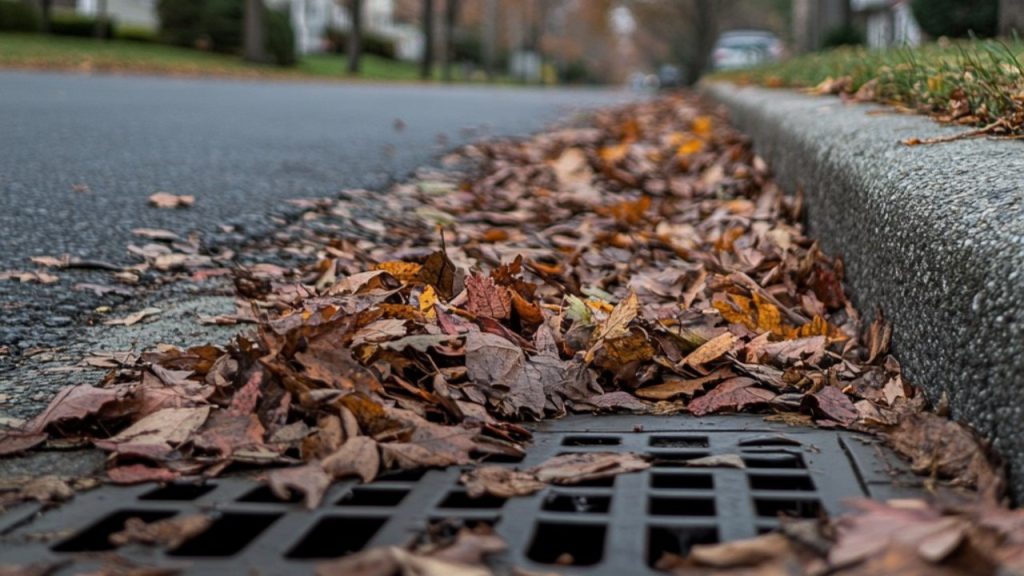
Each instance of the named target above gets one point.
<point>579,503</point>
<point>679,442</point>
<point>372,497</point>
<point>460,499</point>
<point>682,481</point>
<point>178,492</point>
<point>785,483</point>
<point>774,460</point>
<point>792,508</point>
<point>336,536</point>
<point>227,536</point>
<point>96,538</point>
<point>591,441</point>
<point>662,540</point>
<point>567,544</point>
<point>264,494</point>
<point>672,506</point>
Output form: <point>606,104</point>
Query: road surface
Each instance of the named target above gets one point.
<point>79,155</point>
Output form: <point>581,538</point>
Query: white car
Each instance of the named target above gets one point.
<point>745,48</point>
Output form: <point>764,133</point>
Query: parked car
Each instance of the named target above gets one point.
<point>744,48</point>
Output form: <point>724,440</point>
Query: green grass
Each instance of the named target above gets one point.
<point>977,83</point>
<point>35,51</point>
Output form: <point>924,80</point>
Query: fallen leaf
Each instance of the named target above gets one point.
<point>584,467</point>
<point>134,318</point>
<point>439,272</point>
<point>831,403</point>
<point>169,533</point>
<point>73,403</point>
<point>718,461</point>
<point>733,394</point>
<point>168,200</point>
<point>487,298</point>
<point>711,350</point>
<point>500,482</point>
<point>156,233</point>
<point>309,480</point>
<point>359,456</point>
<point>747,552</point>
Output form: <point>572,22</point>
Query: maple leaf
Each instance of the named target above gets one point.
<point>487,298</point>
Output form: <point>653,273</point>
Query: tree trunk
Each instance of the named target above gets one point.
<point>451,16</point>
<point>427,63</point>
<point>354,50</point>
<point>99,29</point>
<point>253,31</point>
<point>490,37</point>
<point>45,10</point>
<point>1011,18</point>
<point>705,29</point>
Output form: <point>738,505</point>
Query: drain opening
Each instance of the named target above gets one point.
<point>682,481</point>
<point>96,538</point>
<point>336,536</point>
<point>671,506</point>
<point>679,442</point>
<point>178,492</point>
<point>774,460</point>
<point>768,441</point>
<point>782,483</point>
<point>670,459</point>
<point>578,503</point>
<point>372,497</point>
<point>793,508</point>
<point>264,494</point>
<point>567,544</point>
<point>591,441</point>
<point>227,536</point>
<point>661,541</point>
<point>460,499</point>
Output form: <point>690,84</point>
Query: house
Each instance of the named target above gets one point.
<point>888,22</point>
<point>311,19</point>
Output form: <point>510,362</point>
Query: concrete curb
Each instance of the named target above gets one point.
<point>932,234</point>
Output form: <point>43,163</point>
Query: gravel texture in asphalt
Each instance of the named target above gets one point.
<point>932,234</point>
<point>81,154</point>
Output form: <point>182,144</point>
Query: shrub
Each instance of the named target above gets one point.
<point>843,36</point>
<point>18,17</point>
<point>957,18</point>
<point>222,23</point>
<point>280,38</point>
<point>469,48</point>
<point>219,24</point>
<point>136,34</point>
<point>67,24</point>
<point>180,21</point>
<point>372,43</point>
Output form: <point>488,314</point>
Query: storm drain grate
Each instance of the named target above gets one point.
<point>617,526</point>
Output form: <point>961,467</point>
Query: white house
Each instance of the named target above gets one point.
<point>888,22</point>
<point>310,19</point>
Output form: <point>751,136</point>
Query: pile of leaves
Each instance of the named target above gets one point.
<point>645,264</point>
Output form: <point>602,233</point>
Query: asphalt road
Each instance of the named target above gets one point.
<point>240,147</point>
<point>79,155</point>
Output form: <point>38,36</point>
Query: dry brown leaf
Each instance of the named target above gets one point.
<point>168,200</point>
<point>584,467</point>
<point>487,298</point>
<point>359,456</point>
<point>733,394</point>
<point>169,533</point>
<point>500,482</point>
<point>134,318</point>
<point>309,480</point>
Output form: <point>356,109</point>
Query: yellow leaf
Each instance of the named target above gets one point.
<point>737,312</point>
<point>769,319</point>
<point>613,154</point>
<point>404,271</point>
<point>690,147</point>
<point>711,350</point>
<point>702,126</point>
<point>427,300</point>
<point>599,305</point>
